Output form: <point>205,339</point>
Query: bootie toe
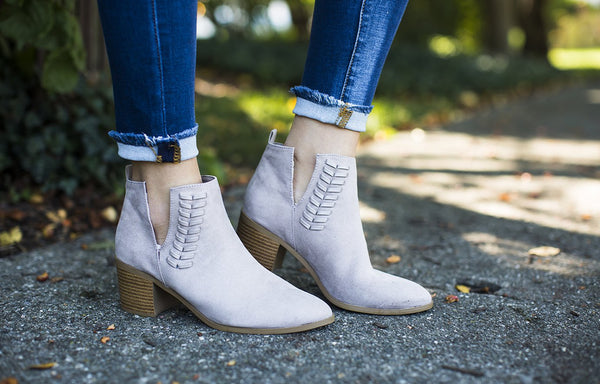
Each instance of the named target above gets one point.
<point>203,265</point>
<point>323,231</point>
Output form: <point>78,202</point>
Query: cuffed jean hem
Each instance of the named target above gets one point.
<point>170,149</point>
<point>327,109</point>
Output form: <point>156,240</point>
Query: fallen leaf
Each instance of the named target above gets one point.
<point>544,251</point>
<point>104,339</point>
<point>415,178</point>
<point>451,299</point>
<point>42,366</point>
<point>393,259</point>
<point>506,197</point>
<point>57,217</point>
<point>463,288</point>
<point>36,198</point>
<point>110,327</point>
<point>231,363</point>
<point>9,380</point>
<point>43,277</point>
<point>16,215</point>
<point>95,219</point>
<point>110,214</point>
<point>84,246</point>
<point>13,236</point>
<point>526,177</point>
<point>48,230</point>
<point>196,377</point>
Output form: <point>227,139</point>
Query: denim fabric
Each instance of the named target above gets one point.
<point>151,46</point>
<point>349,43</point>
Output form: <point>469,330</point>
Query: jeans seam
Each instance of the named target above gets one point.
<point>358,31</point>
<point>160,69</point>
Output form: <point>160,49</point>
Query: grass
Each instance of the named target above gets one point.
<point>417,88</point>
<point>575,58</point>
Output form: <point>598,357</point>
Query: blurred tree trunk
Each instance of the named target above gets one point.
<point>93,40</point>
<point>499,18</point>
<point>531,18</point>
<point>301,15</point>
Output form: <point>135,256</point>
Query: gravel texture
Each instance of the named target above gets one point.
<point>460,204</point>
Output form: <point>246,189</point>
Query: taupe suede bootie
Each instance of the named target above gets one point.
<point>203,265</point>
<point>323,230</point>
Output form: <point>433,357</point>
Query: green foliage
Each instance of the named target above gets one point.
<point>417,85</point>
<point>228,133</point>
<point>54,125</point>
<point>260,62</point>
<point>426,18</point>
<point>57,141</point>
<point>419,72</point>
<point>47,29</point>
<point>409,71</point>
<point>577,30</point>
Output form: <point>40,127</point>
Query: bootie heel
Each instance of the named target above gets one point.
<point>140,295</point>
<point>265,250</point>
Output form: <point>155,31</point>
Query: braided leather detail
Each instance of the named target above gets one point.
<point>321,202</point>
<point>191,212</point>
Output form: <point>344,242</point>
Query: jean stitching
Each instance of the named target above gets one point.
<point>349,70</point>
<point>160,68</point>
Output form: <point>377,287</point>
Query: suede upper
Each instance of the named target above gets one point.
<point>204,261</point>
<point>324,227</point>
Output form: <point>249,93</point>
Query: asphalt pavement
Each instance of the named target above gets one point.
<point>464,206</point>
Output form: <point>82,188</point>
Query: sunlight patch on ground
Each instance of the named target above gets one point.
<point>369,214</point>
<point>516,253</point>
<point>573,58</point>
<point>550,182</point>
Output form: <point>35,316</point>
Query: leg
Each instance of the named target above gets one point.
<point>349,43</point>
<point>152,51</point>
<point>303,196</point>
<point>174,241</point>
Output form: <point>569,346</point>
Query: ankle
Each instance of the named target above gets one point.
<point>310,137</point>
<point>160,178</point>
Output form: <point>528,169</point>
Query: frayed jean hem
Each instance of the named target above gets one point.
<point>162,149</point>
<point>327,109</point>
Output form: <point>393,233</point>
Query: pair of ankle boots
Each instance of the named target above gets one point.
<point>223,281</point>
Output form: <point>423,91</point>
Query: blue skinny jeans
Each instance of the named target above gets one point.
<point>151,47</point>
